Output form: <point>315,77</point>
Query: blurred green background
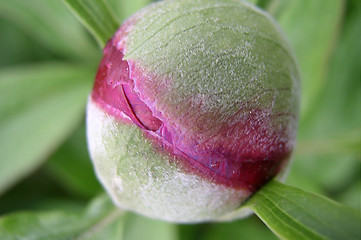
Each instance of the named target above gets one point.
<point>48,61</point>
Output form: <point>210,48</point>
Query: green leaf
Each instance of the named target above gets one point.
<point>329,143</point>
<point>250,228</point>
<point>40,105</point>
<point>16,47</point>
<point>96,16</point>
<point>336,114</point>
<point>348,143</point>
<point>52,25</point>
<point>130,7</point>
<point>71,166</point>
<point>294,214</point>
<point>101,220</point>
<point>139,227</point>
<point>41,194</point>
<point>312,28</point>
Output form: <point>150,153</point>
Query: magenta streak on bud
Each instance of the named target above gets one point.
<point>247,162</point>
<point>116,91</point>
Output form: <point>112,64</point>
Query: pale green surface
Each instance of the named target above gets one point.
<point>212,56</point>
<point>39,107</point>
<point>216,59</point>
<point>292,213</point>
<point>151,182</point>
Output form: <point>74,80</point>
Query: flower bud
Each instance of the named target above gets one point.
<point>194,108</point>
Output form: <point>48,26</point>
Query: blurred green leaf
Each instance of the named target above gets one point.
<point>249,228</point>
<point>96,16</point>
<point>139,227</point>
<point>260,3</point>
<point>326,174</point>
<point>295,214</point>
<point>101,220</point>
<point>16,47</point>
<point>71,166</point>
<point>39,107</point>
<point>41,193</point>
<point>337,112</point>
<point>312,28</point>
<point>351,195</point>
<point>329,143</point>
<point>50,23</point>
<point>348,143</point>
<point>130,7</point>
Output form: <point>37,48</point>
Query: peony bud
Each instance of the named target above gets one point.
<point>194,108</point>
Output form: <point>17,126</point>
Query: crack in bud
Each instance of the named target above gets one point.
<point>138,111</point>
<point>114,91</point>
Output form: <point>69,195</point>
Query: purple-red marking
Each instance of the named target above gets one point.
<point>244,155</point>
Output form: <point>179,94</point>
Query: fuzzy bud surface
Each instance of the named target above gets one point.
<point>194,108</point>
